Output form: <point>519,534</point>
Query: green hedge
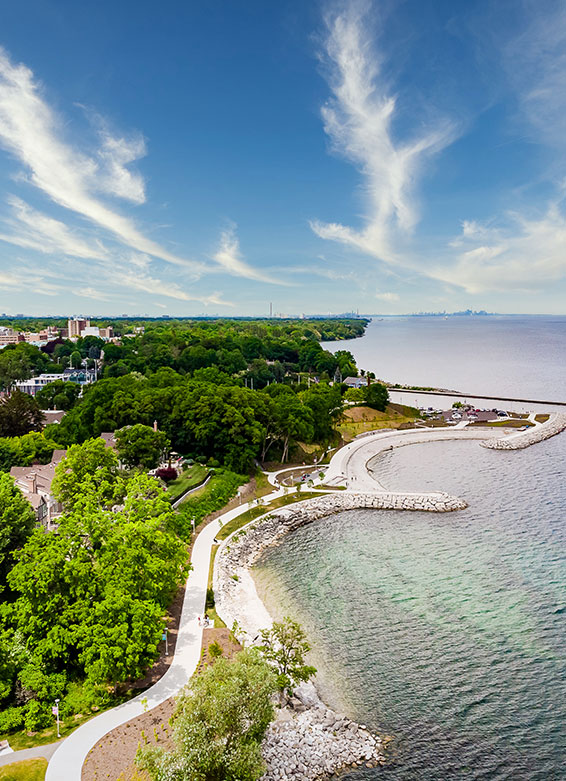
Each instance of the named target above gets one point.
<point>221,487</point>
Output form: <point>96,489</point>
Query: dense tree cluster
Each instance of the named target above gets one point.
<point>220,721</point>
<point>59,395</point>
<point>85,604</point>
<point>216,419</point>
<point>31,448</point>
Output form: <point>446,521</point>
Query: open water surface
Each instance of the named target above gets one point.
<point>501,355</point>
<point>446,631</point>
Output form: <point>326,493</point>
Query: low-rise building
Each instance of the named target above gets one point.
<point>35,484</point>
<point>355,382</point>
<point>35,384</point>
<point>9,336</point>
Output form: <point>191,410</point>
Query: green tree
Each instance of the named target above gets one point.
<point>220,722</point>
<point>16,523</point>
<point>76,360</point>
<point>88,470</point>
<point>293,421</point>
<point>325,403</point>
<point>14,365</point>
<point>140,445</point>
<point>376,396</point>
<point>58,394</point>
<point>285,646</point>
<point>90,599</point>
<point>10,453</point>
<point>19,414</point>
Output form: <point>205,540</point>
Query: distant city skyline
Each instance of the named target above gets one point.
<point>247,158</point>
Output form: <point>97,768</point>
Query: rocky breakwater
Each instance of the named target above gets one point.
<point>316,742</point>
<point>554,425</point>
<point>307,741</point>
<point>240,551</point>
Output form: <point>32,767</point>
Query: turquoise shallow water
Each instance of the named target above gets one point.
<point>445,631</point>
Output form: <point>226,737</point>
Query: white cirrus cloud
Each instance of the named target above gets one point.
<point>534,58</point>
<point>116,153</point>
<point>32,229</point>
<point>28,282</point>
<point>526,253</point>
<point>92,293</point>
<point>143,282</point>
<point>229,257</point>
<point>31,132</point>
<point>358,119</point>
<point>387,296</point>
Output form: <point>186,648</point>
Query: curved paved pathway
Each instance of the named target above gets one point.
<point>37,752</point>
<point>348,465</point>
<point>67,761</point>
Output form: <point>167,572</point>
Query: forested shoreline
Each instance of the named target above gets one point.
<point>83,608</point>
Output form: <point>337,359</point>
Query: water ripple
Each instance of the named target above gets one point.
<point>445,631</point>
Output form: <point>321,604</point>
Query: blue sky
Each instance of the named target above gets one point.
<point>215,156</point>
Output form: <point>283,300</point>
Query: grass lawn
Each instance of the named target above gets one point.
<point>255,512</point>
<point>509,423</point>
<point>263,486</point>
<point>20,740</point>
<point>190,477</point>
<point>356,420</point>
<point>28,770</point>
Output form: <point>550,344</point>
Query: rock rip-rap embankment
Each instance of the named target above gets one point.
<point>554,425</point>
<point>316,743</point>
<point>308,741</point>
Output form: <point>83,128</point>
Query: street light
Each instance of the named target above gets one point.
<point>164,637</point>
<point>56,713</point>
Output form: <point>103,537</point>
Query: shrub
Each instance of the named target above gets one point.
<point>219,490</point>
<point>37,716</point>
<point>11,719</point>
<point>166,473</point>
<point>215,650</point>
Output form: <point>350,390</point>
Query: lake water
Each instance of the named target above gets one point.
<point>446,631</point>
<point>517,356</point>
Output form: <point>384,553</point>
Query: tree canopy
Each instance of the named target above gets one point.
<point>16,523</point>
<point>220,721</point>
<point>89,600</point>
<point>88,471</point>
<point>19,414</point>
<point>59,394</point>
<point>140,445</point>
<point>285,646</point>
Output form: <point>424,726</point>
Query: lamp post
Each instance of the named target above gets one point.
<point>56,709</point>
<point>164,637</point>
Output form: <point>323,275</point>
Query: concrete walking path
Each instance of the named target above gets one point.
<point>67,761</point>
<point>37,752</point>
<point>348,466</point>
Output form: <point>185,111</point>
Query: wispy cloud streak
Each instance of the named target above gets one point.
<point>535,63</point>
<point>525,254</point>
<point>358,120</point>
<point>29,130</point>
<point>34,230</point>
<point>229,257</point>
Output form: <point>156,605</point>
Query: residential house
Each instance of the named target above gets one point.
<point>35,484</point>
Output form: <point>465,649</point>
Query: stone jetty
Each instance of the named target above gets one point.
<point>243,549</point>
<point>307,741</point>
<point>519,440</point>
